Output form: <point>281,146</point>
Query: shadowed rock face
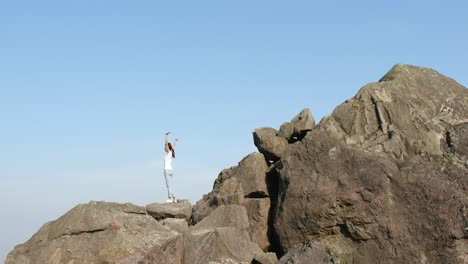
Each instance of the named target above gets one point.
<point>383,179</point>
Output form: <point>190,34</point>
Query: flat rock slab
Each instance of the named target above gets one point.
<point>100,232</point>
<point>182,209</point>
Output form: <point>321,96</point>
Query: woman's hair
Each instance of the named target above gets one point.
<point>171,149</point>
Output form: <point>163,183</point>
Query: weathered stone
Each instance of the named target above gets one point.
<point>269,144</point>
<point>257,211</point>
<point>182,209</point>
<point>265,258</point>
<point>332,127</point>
<point>360,194</point>
<point>223,234</point>
<point>227,261</point>
<point>228,191</point>
<point>298,127</point>
<point>248,178</point>
<point>205,245</point>
<point>250,172</point>
<point>100,232</point>
<point>407,112</point>
<point>179,225</point>
<point>310,252</point>
<point>226,216</point>
<point>457,143</point>
<point>382,179</point>
<point>202,209</point>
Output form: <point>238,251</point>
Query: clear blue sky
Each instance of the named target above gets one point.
<point>88,88</point>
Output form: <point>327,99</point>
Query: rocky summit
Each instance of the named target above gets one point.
<point>382,179</point>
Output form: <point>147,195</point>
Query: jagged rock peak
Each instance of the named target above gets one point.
<point>402,71</point>
<point>298,127</point>
<point>406,113</point>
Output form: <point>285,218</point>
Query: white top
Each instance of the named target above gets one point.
<point>168,161</point>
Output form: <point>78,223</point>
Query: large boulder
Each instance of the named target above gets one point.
<point>203,246</point>
<point>383,179</point>
<point>389,210</point>
<point>269,144</point>
<point>247,179</point>
<point>100,232</point>
<point>224,234</point>
<point>250,172</point>
<point>298,127</point>
<point>227,192</point>
<point>258,212</point>
<point>226,216</point>
<point>182,209</point>
<point>407,112</point>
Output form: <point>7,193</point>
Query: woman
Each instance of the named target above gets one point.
<point>170,154</point>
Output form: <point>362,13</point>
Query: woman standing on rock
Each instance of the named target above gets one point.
<point>170,154</point>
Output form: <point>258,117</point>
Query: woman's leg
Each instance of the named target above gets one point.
<point>168,178</point>
<point>171,187</point>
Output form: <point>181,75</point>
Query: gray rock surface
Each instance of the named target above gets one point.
<point>100,232</point>
<point>179,225</point>
<point>247,179</point>
<point>229,191</point>
<point>182,209</point>
<point>226,216</point>
<point>298,127</point>
<point>407,112</point>
<point>310,252</point>
<point>205,245</point>
<point>224,234</point>
<point>258,211</point>
<point>269,144</point>
<point>250,172</point>
<point>381,180</point>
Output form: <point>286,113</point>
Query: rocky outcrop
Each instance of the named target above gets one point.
<point>407,112</point>
<point>383,179</point>
<point>250,172</point>
<point>243,185</point>
<point>269,144</point>
<point>100,232</point>
<point>223,234</point>
<point>298,127</point>
<point>247,179</point>
<point>230,191</point>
